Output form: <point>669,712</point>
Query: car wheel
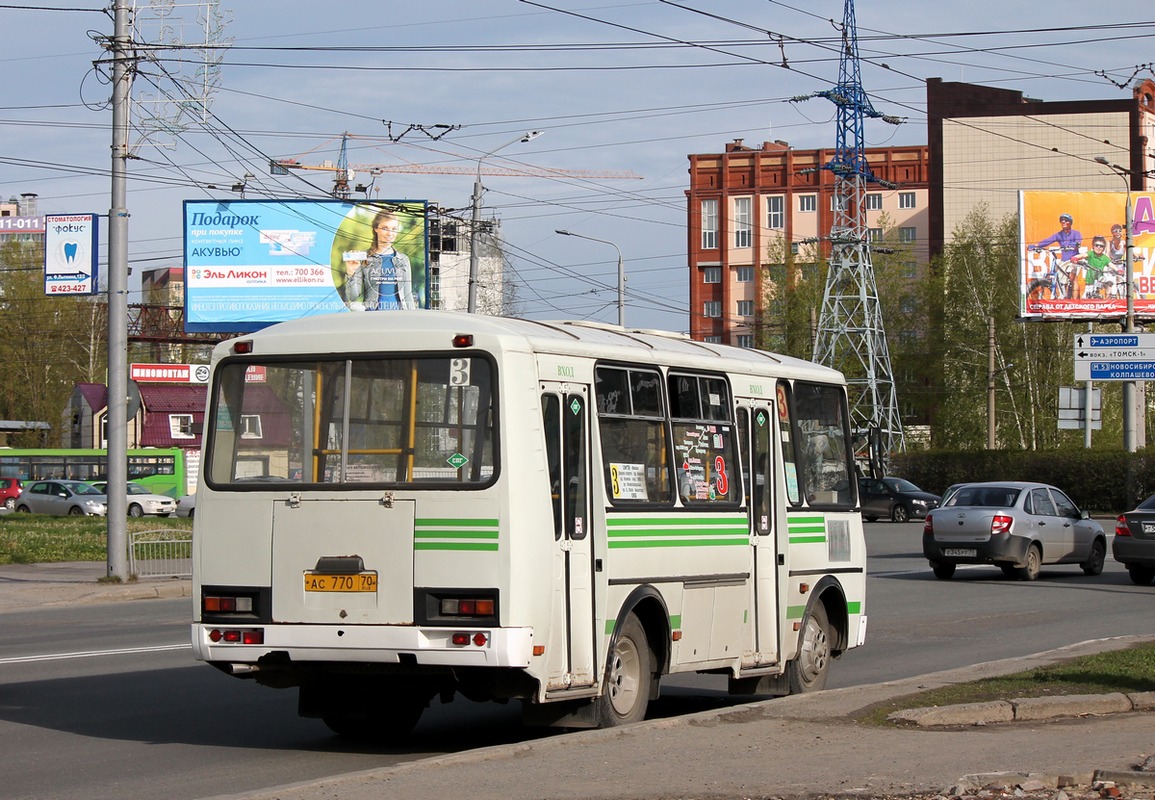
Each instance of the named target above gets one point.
<point>943,570</point>
<point>808,670</point>
<point>23,509</point>
<point>1094,563</point>
<point>628,677</point>
<point>135,510</point>
<point>1141,576</point>
<point>899,513</point>
<point>1030,570</point>
<point>76,511</point>
<point>10,503</point>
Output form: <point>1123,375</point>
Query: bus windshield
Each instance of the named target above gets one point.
<point>353,422</point>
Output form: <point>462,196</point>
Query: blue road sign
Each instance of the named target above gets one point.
<point>1122,371</point>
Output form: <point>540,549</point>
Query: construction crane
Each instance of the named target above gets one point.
<point>344,172</point>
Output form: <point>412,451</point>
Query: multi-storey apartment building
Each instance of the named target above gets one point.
<point>748,207</point>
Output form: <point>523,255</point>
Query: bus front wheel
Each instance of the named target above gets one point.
<point>808,670</point>
<point>629,677</point>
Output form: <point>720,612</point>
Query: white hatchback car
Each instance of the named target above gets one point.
<point>141,501</point>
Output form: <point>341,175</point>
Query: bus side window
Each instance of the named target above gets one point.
<point>551,426</point>
<point>786,436</point>
<point>634,433</point>
<point>763,465</point>
<point>575,467</point>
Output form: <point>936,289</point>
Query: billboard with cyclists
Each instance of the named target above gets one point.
<point>1074,254</point>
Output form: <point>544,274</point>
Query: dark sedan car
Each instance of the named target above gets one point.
<point>1134,542</point>
<point>895,499</point>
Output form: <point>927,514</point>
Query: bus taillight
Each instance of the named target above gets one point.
<point>237,636</point>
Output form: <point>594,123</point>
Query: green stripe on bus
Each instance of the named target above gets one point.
<point>807,539</point>
<point>729,531</point>
<point>454,523</point>
<point>492,546</point>
<point>796,612</point>
<point>677,543</point>
<point>673,522</point>
<point>450,534</point>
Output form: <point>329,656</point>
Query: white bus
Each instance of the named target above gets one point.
<point>402,506</point>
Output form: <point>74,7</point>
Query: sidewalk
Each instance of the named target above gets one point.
<point>802,746</point>
<point>64,583</point>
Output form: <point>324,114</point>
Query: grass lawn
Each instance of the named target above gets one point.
<point>37,539</point>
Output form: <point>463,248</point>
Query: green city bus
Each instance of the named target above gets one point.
<point>161,469</point>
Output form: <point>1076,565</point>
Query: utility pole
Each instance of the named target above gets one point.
<point>851,337</point>
<point>117,443</point>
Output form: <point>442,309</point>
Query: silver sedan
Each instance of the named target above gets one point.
<point>62,498</point>
<point>1016,525</point>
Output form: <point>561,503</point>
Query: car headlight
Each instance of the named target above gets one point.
<point>918,502</point>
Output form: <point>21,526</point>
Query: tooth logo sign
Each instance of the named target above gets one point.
<point>70,249</point>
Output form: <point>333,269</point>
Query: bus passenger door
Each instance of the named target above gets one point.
<point>756,425</point>
<point>570,648</point>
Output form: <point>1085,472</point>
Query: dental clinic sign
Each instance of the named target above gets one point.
<point>70,251</point>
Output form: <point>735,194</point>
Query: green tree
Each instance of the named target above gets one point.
<point>47,344</point>
<point>791,297</point>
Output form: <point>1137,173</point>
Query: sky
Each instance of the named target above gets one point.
<point>613,87</point>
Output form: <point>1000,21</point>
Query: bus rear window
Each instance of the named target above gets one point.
<point>353,422</point>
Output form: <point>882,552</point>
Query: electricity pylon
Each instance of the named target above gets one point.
<point>851,337</point>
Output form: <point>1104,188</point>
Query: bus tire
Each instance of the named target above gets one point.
<point>807,672</point>
<point>629,677</point>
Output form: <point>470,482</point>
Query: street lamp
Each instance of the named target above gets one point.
<point>1130,435</point>
<point>475,231</point>
<point>621,273</point>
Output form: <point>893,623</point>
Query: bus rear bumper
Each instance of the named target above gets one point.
<point>481,647</point>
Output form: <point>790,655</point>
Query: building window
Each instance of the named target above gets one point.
<point>250,426</point>
<point>874,234</point>
<point>712,339</point>
<point>742,235</point>
<point>745,308</point>
<point>712,308</point>
<point>837,203</point>
<point>907,305</point>
<point>909,269</point>
<point>873,201</point>
<point>709,224</point>
<point>745,274</point>
<point>908,337</point>
<point>180,426</point>
<point>794,248</point>
<point>907,235</point>
<point>808,203</point>
<point>711,274</point>
<point>746,340</point>
<point>906,200</point>
<point>775,212</point>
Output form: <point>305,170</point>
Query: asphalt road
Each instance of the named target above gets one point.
<point>104,701</point>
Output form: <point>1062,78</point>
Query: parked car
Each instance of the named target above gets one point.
<point>1016,525</point>
<point>187,505</point>
<point>141,501</point>
<point>63,498</point>
<point>896,499</point>
<point>10,489</point>
<point>1134,542</point>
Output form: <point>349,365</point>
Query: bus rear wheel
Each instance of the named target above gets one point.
<point>629,677</point>
<point>807,672</point>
